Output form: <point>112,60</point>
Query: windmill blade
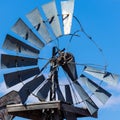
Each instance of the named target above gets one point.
<point>36,20</point>
<point>18,46</point>
<point>43,92</point>
<point>67,13</point>
<point>25,32</point>
<point>98,91</point>
<point>69,67</point>
<point>68,94</point>
<point>85,98</point>
<point>52,15</point>
<point>10,98</point>
<point>29,87</point>
<point>107,77</point>
<point>10,61</point>
<point>14,78</point>
<point>59,93</point>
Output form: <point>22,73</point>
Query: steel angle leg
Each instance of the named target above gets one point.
<point>56,115</point>
<point>70,116</point>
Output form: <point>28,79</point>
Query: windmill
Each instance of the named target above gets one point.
<point>47,31</point>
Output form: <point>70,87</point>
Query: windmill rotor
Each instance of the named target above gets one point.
<point>27,60</point>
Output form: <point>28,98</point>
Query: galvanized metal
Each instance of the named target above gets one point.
<point>10,61</point>
<point>52,17</point>
<point>91,106</point>
<point>43,92</point>
<point>98,91</point>
<point>14,78</point>
<point>59,93</point>
<point>36,20</point>
<point>68,94</point>
<point>25,32</point>
<point>107,77</point>
<point>67,13</point>
<point>13,44</point>
<point>29,87</point>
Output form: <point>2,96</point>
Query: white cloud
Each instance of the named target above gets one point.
<point>3,89</point>
<point>1,51</point>
<point>113,102</point>
<point>114,88</point>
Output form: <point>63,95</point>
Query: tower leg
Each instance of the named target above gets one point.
<point>70,116</point>
<point>55,115</point>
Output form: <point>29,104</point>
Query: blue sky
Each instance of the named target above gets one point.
<point>101,20</point>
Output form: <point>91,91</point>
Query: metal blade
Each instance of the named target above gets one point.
<point>108,77</point>
<point>29,87</point>
<point>10,61</point>
<point>25,32</point>
<point>43,92</point>
<point>59,93</point>
<point>67,13</point>
<point>14,78</point>
<point>36,20</point>
<point>85,98</point>
<point>10,98</point>
<point>18,46</point>
<point>70,67</point>
<point>98,91</point>
<point>68,94</point>
<point>52,15</point>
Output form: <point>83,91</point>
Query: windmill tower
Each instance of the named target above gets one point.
<point>56,101</point>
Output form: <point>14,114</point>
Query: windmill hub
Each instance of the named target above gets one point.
<point>62,58</point>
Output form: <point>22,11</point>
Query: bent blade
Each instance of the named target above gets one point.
<point>52,16</point>
<point>98,91</point>
<point>18,46</point>
<point>67,13</point>
<point>92,107</point>
<point>107,77</point>
<point>36,20</point>
<point>14,78</point>
<point>25,32</point>
<point>29,87</point>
